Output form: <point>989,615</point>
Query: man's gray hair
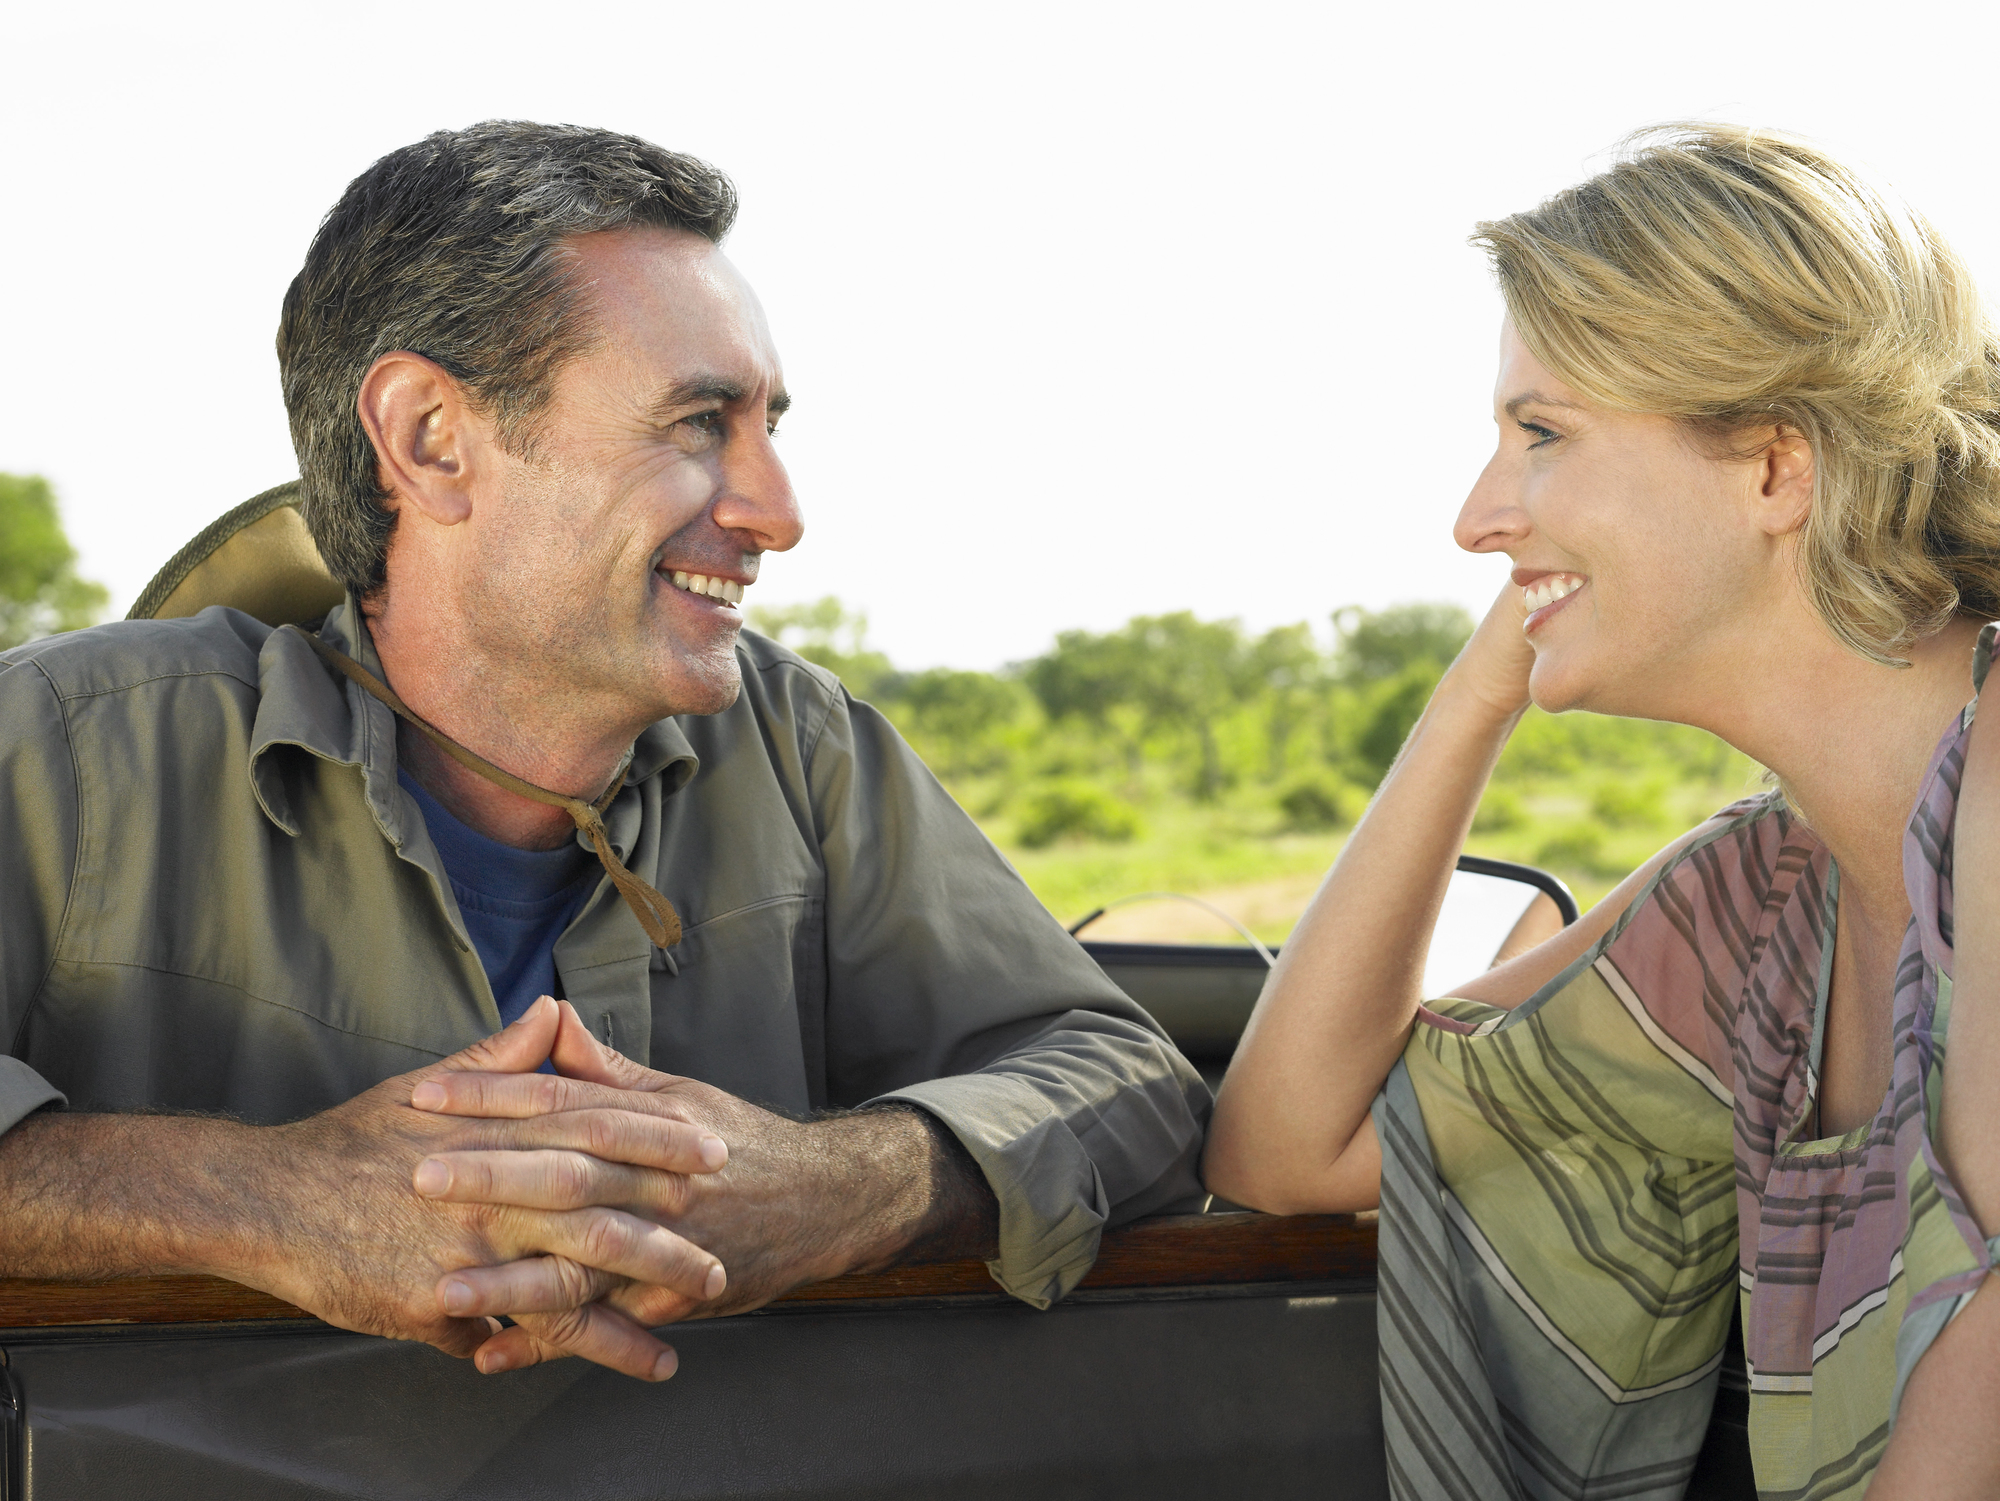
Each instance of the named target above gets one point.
<point>453,249</point>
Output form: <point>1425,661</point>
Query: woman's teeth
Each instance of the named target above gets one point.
<point>1549,588</point>
<point>726,590</point>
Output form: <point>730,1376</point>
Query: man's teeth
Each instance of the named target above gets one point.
<point>700,583</point>
<point>1550,588</point>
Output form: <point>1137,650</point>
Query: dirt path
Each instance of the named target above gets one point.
<point>1267,908</point>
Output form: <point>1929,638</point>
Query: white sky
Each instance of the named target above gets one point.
<point>1089,309</point>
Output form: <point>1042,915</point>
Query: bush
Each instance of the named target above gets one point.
<point>1396,705</point>
<point>1499,810</point>
<point>1061,810</point>
<point>1578,846</point>
<point>1625,805</point>
<point>1318,801</point>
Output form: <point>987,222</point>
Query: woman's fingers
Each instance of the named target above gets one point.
<point>565,1262</point>
<point>594,1332</point>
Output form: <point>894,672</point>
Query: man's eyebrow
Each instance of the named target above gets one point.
<point>698,390</point>
<point>712,390</point>
<point>1535,399</point>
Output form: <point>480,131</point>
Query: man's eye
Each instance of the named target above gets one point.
<point>705,422</point>
<point>1540,434</point>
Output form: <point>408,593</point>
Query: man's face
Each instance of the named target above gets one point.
<point>652,471</point>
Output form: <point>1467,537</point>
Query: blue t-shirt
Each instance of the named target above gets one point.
<point>516,903</point>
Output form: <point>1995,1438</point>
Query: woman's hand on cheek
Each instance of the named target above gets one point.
<point>1497,660</point>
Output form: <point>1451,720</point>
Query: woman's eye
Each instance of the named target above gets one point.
<point>1540,434</point>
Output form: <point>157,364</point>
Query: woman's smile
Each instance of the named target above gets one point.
<point>1544,594</point>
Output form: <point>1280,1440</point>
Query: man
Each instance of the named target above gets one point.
<point>268,890</point>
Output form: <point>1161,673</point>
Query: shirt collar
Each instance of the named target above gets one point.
<point>303,704</point>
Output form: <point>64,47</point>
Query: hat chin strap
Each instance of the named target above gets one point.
<point>655,913</point>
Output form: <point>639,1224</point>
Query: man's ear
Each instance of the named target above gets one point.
<point>1785,475</point>
<point>424,434</point>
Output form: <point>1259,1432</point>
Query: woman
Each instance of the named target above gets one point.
<point>1749,477</point>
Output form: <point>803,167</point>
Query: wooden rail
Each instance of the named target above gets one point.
<point>1191,1250</point>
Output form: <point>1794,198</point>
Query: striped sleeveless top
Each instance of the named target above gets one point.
<point>1576,1191</point>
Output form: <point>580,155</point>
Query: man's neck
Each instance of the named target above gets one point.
<point>539,732</point>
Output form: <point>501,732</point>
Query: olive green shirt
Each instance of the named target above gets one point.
<point>215,896</point>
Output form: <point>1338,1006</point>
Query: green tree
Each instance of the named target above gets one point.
<point>1187,674</point>
<point>966,712</point>
<point>835,637</point>
<point>1290,676</point>
<point>40,593</point>
<point>1088,678</point>
<point>1396,705</point>
<point>1179,674</point>
<point>1379,644</point>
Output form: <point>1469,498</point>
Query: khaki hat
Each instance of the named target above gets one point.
<point>259,558</point>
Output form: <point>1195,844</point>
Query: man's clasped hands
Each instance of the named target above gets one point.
<point>583,1206</point>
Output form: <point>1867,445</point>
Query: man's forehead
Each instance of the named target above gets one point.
<point>674,295</point>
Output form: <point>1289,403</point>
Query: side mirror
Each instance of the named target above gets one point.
<point>1493,910</point>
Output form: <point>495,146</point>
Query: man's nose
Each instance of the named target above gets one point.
<point>757,496</point>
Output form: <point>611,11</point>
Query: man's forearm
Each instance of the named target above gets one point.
<point>122,1195</point>
<point>930,1200</point>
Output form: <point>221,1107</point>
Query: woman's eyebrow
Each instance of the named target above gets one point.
<point>1535,399</point>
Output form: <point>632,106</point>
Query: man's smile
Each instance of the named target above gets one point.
<point>709,586</point>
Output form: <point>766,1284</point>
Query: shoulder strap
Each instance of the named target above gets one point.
<point>655,913</point>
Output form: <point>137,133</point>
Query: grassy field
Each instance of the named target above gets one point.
<point>1240,856</point>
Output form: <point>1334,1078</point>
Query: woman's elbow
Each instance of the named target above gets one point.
<point>1348,1185</point>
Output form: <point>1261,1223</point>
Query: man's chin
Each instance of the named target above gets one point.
<point>705,686</point>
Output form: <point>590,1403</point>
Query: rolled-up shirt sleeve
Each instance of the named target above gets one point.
<point>38,821</point>
<point>951,988</point>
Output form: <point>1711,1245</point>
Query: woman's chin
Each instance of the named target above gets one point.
<point>1554,685</point>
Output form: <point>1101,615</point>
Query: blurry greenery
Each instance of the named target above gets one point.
<point>1074,809</point>
<point>1624,804</point>
<point>828,633</point>
<point>1500,809</point>
<point>1317,799</point>
<point>1380,644</point>
<point>1190,754</point>
<point>40,593</point>
<point>1575,846</point>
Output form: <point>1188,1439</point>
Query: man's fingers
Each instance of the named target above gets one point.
<point>594,1332</point>
<point>578,1055</point>
<point>516,1096</point>
<point>534,1284</point>
<point>520,1048</point>
<point>549,1180</point>
<point>574,1250</point>
<point>634,1138</point>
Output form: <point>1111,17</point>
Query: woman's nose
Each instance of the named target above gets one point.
<point>1491,520</point>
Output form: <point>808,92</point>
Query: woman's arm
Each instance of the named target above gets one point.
<point>1291,1131</point>
<point>1947,1438</point>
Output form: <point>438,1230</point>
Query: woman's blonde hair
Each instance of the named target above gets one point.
<point>1739,279</point>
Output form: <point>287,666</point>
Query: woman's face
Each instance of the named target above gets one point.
<point>1645,565</point>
